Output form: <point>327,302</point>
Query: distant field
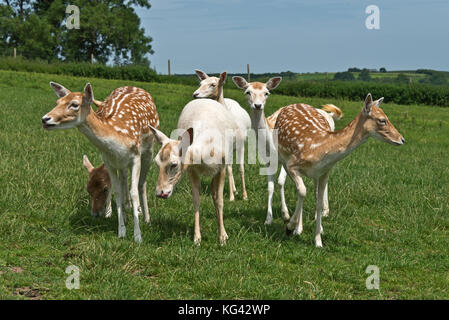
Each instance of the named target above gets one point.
<point>389,208</point>
<point>376,75</point>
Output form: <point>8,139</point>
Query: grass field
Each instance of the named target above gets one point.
<point>389,208</point>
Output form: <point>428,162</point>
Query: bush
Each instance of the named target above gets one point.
<point>344,76</point>
<point>80,69</point>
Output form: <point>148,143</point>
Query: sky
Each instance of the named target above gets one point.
<point>296,35</point>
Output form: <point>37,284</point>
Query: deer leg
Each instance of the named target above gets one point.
<point>241,162</point>
<point>321,182</point>
<point>232,188</point>
<point>108,211</point>
<point>118,193</point>
<point>269,218</point>
<point>135,175</point>
<point>326,201</point>
<point>123,174</point>
<point>217,195</point>
<point>281,183</point>
<point>196,191</point>
<point>295,222</point>
<point>145,166</point>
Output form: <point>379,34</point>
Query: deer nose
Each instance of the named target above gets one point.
<point>258,106</point>
<point>163,195</point>
<point>195,95</point>
<point>45,119</point>
<point>402,140</point>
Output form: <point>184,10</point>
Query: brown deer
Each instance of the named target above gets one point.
<point>99,188</point>
<point>307,147</point>
<point>100,191</point>
<point>120,130</point>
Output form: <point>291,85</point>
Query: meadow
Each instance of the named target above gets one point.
<point>389,208</point>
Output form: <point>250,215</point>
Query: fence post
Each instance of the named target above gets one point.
<point>92,58</point>
<point>169,71</point>
<point>249,73</point>
<point>15,53</point>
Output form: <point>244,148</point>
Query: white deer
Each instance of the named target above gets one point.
<point>308,147</point>
<point>120,130</point>
<point>207,140</point>
<point>212,87</point>
<point>257,94</point>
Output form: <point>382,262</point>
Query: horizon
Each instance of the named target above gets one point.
<point>328,36</point>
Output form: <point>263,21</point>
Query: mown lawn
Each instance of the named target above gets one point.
<point>389,208</point>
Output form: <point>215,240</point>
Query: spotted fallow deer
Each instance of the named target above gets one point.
<point>212,88</point>
<point>120,130</point>
<point>257,94</point>
<point>208,131</point>
<point>308,147</point>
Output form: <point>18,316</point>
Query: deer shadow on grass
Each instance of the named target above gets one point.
<point>81,222</point>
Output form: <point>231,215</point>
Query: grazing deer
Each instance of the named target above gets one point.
<point>203,150</point>
<point>308,147</point>
<point>257,94</point>
<point>120,130</point>
<point>99,188</point>
<point>212,88</point>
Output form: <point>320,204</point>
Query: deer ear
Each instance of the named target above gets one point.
<point>273,83</point>
<point>59,90</point>
<point>161,138</point>
<point>223,76</point>
<point>368,104</point>
<point>88,93</point>
<point>186,141</point>
<point>202,75</point>
<point>89,167</point>
<point>378,102</point>
<point>240,82</point>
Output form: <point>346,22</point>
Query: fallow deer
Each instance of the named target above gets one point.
<point>212,88</point>
<point>99,188</point>
<point>207,139</point>
<point>120,130</point>
<point>308,147</point>
<point>257,94</point>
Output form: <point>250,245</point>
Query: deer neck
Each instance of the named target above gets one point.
<point>94,129</point>
<point>220,97</point>
<point>341,143</point>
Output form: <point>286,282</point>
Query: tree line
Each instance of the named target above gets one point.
<point>109,30</point>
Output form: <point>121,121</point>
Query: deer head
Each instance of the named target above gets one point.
<point>98,186</point>
<point>257,92</point>
<point>376,122</point>
<point>209,86</point>
<point>71,108</point>
<point>171,161</point>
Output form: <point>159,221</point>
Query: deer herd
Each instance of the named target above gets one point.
<point>210,130</point>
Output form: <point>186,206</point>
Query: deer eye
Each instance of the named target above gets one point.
<point>74,105</point>
<point>173,165</point>
<point>382,121</point>
<point>247,92</point>
<point>106,189</point>
<point>267,94</point>
<point>213,85</point>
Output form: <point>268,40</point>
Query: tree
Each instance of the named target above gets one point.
<point>344,76</point>
<point>109,30</point>
<point>364,75</point>
<point>383,70</point>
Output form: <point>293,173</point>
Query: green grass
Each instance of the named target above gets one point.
<point>389,207</point>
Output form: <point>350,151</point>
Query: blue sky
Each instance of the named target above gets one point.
<point>300,36</point>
